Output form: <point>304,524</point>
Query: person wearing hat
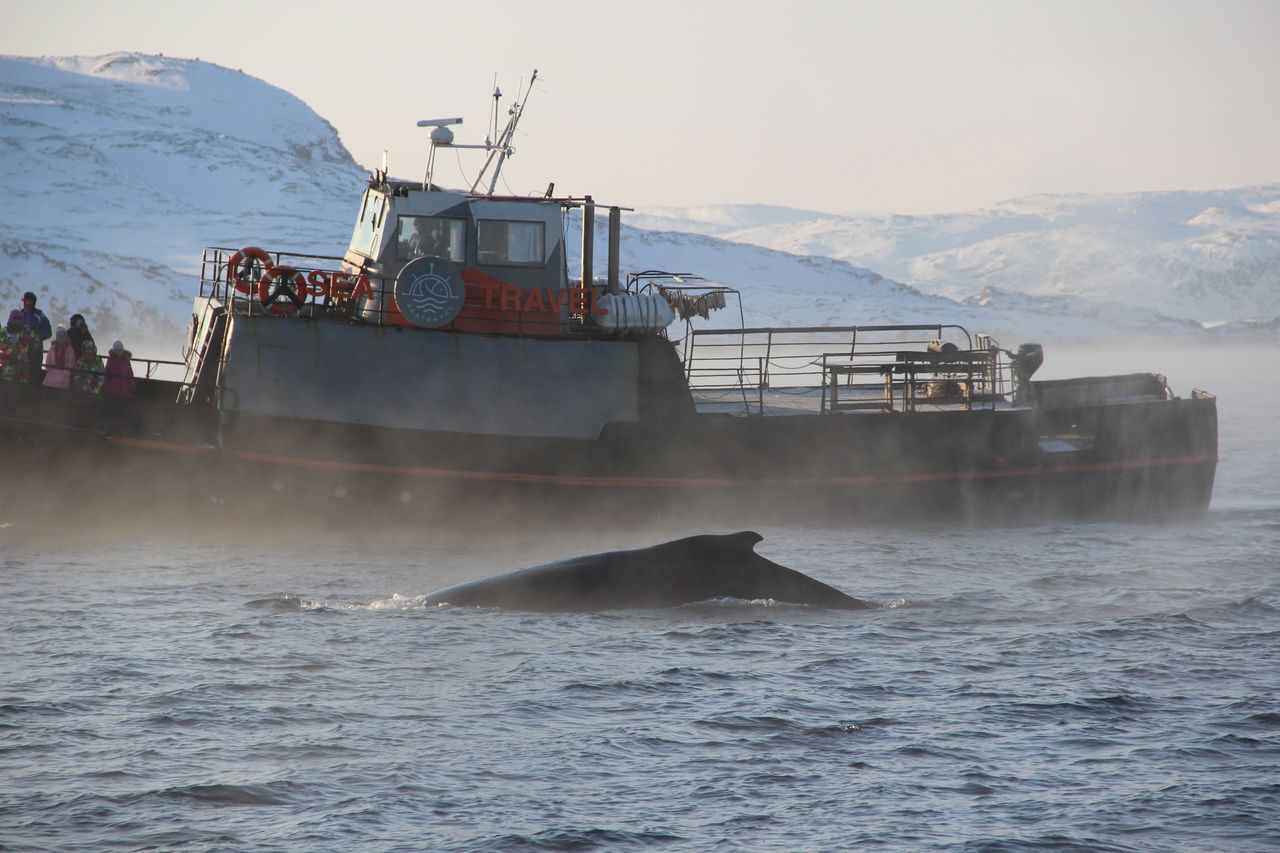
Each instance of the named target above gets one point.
<point>35,317</point>
<point>37,322</point>
<point>119,381</point>
<point>59,361</point>
<point>16,345</point>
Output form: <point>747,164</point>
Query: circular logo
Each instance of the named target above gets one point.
<point>429,292</point>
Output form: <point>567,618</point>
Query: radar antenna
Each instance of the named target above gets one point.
<point>499,149</point>
<point>440,135</point>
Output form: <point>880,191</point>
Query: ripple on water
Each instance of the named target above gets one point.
<point>258,794</point>
<point>572,839</point>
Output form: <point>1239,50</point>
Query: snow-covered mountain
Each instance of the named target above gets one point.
<point>118,170</point>
<point>780,288</point>
<point>1211,257</point>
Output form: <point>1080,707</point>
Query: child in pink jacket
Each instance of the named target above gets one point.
<point>59,361</point>
<point>119,381</point>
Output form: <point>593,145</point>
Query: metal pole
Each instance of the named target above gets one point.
<point>768,356</point>
<point>588,244</point>
<point>615,231</point>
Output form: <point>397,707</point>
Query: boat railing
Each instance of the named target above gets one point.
<point>153,368</point>
<point>838,369</point>
<point>143,368</point>
<point>241,285</point>
<point>155,377</point>
<point>235,278</point>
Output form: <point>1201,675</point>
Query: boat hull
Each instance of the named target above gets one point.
<point>1131,459</point>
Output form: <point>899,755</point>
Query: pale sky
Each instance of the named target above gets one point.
<point>905,106</point>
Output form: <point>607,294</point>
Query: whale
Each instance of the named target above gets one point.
<point>683,571</point>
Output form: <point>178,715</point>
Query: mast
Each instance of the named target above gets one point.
<point>501,148</point>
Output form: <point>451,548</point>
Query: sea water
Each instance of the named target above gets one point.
<point>1097,685</point>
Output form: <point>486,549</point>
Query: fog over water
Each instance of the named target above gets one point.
<point>1108,685</point>
<point>1245,377</point>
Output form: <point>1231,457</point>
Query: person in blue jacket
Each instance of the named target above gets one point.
<point>37,322</point>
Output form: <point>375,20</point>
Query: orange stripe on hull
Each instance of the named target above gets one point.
<point>668,482</point>
<point>167,446</point>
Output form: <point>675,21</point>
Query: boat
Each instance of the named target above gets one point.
<point>448,364</point>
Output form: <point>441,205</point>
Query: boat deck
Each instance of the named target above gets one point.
<point>742,402</point>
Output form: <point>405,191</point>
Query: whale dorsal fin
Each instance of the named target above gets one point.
<point>746,539</point>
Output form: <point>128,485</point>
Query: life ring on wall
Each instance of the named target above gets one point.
<point>240,267</point>
<point>282,290</point>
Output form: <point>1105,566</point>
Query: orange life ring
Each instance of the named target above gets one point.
<point>286,282</point>
<point>240,278</point>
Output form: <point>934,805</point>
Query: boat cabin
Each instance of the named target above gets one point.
<point>447,259</point>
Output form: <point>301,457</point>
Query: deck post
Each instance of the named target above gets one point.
<point>615,235</point>
<point>588,243</point>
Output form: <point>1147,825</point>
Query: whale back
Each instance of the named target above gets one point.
<point>696,568</point>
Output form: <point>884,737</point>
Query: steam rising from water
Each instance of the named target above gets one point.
<point>116,505</point>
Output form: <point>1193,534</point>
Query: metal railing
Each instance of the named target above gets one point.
<point>847,368</point>
<point>84,379</point>
<point>325,286</point>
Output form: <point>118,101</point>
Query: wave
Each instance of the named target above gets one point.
<point>262,794</point>
<point>575,839</point>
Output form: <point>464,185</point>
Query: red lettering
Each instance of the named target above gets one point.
<point>317,283</point>
<point>595,307</point>
<point>544,300</point>
<point>555,300</point>
<point>510,298</point>
<point>340,285</point>
<point>333,284</point>
<point>363,288</point>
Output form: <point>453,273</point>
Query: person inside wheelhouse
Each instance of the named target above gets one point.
<point>432,236</point>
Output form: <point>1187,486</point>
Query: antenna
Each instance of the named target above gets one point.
<point>501,148</point>
<point>493,112</point>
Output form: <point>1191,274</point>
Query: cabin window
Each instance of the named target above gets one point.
<point>507,243</point>
<point>362,236</point>
<point>434,236</point>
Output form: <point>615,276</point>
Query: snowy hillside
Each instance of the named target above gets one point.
<point>784,289</point>
<point>118,170</point>
<point>1211,257</point>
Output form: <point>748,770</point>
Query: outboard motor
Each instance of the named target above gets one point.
<point>1026,361</point>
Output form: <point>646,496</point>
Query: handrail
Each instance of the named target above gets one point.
<point>483,310</point>
<point>893,363</point>
<point>757,330</point>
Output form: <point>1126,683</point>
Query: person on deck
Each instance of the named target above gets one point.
<point>37,322</point>
<point>78,332</point>
<point>59,361</point>
<point>16,344</point>
<point>87,376</point>
<point>119,373</point>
